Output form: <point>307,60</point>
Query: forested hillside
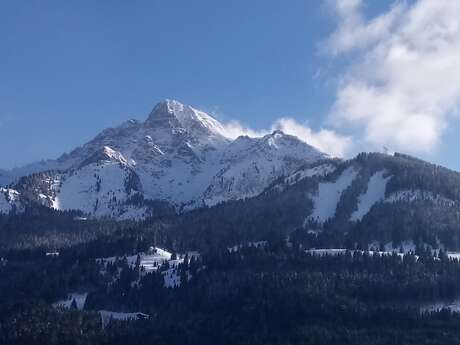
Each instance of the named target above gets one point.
<point>372,200</point>
<point>269,294</point>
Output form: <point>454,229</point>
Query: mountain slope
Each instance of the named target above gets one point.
<point>179,155</point>
<point>371,200</point>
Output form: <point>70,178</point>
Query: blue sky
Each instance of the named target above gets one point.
<point>71,69</point>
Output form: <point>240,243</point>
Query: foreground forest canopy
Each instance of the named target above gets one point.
<point>266,293</point>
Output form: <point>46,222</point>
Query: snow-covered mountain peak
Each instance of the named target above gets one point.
<point>276,144</point>
<point>291,145</point>
<point>170,105</point>
<point>172,113</point>
<point>279,137</point>
<point>163,114</point>
<point>179,155</point>
<point>277,133</point>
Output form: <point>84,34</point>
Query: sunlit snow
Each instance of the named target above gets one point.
<point>329,193</point>
<point>375,192</point>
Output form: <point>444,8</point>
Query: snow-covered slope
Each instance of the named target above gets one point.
<point>375,192</point>
<point>251,164</point>
<point>98,189</point>
<point>179,155</point>
<point>371,190</point>
<point>328,196</point>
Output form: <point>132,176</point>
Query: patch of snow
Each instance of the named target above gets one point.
<point>153,262</point>
<point>115,155</point>
<point>80,300</point>
<point>342,251</point>
<point>258,244</point>
<point>375,193</point>
<point>299,175</point>
<point>419,195</point>
<point>406,246</point>
<point>329,251</point>
<point>453,255</point>
<point>453,306</point>
<point>108,316</point>
<point>148,262</point>
<point>328,195</point>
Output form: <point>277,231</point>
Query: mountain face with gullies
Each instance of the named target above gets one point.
<point>179,156</point>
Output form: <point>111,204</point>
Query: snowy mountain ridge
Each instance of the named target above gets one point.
<point>179,155</point>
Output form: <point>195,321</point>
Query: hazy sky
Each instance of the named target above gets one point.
<point>345,75</point>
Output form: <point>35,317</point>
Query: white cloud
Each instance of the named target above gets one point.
<point>353,31</point>
<point>403,85</point>
<point>325,140</point>
<point>234,129</point>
